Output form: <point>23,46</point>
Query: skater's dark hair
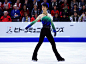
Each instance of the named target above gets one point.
<point>45,5</point>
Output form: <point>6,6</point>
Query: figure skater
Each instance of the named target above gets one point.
<point>47,21</point>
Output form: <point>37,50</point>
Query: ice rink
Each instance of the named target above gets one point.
<point>21,53</point>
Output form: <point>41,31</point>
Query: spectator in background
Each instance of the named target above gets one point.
<point>1,5</point>
<point>54,2</point>
<point>56,18</point>
<point>74,9</point>
<point>75,17</point>
<point>35,2</point>
<point>81,3</point>
<point>45,1</point>
<point>34,11</point>
<point>18,4</point>
<point>15,13</point>
<point>26,18</point>
<point>7,9</point>
<point>54,11</point>
<point>6,3</point>
<point>83,9</point>
<point>33,18</point>
<point>63,5</point>
<point>6,17</point>
<point>74,2</point>
<point>38,3</point>
<point>27,4</point>
<point>25,10</point>
<point>64,18</point>
<point>66,10</point>
<point>84,17</point>
<point>81,17</point>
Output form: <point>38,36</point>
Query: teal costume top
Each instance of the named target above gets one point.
<point>46,21</point>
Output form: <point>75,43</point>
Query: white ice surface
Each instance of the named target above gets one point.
<point>21,53</point>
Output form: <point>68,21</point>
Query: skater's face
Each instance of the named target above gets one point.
<point>44,8</point>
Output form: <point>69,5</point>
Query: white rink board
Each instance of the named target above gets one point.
<point>64,29</point>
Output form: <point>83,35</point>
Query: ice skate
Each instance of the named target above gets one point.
<point>61,59</point>
<point>34,59</point>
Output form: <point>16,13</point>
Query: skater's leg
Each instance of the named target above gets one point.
<point>34,57</point>
<point>50,38</point>
<point>39,44</point>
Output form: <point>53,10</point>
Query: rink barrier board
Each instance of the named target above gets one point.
<point>66,32</point>
<point>63,29</point>
<point>45,39</point>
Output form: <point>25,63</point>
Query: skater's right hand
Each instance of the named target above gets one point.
<point>26,28</point>
<point>54,33</point>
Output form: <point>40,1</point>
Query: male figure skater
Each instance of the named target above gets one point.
<point>46,20</point>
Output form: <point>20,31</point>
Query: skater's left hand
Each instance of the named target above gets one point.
<point>54,33</point>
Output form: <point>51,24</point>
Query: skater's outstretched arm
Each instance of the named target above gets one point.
<point>33,22</point>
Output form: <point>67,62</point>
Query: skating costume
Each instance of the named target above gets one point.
<point>46,21</point>
<point>45,31</point>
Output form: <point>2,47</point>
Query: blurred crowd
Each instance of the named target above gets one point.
<point>28,10</point>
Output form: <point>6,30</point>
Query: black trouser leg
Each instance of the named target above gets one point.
<point>47,33</point>
<point>51,39</point>
<point>39,44</point>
